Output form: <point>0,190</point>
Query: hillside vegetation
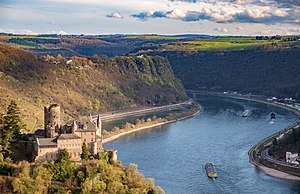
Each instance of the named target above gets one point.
<point>83,85</point>
<point>271,72</point>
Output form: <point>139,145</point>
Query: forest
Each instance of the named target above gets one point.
<point>83,85</point>
<point>269,72</point>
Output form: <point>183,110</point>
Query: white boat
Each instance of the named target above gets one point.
<point>245,113</point>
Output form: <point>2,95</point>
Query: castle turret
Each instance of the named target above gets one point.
<point>74,126</point>
<point>99,126</point>
<point>52,120</point>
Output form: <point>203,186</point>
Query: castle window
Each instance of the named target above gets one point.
<point>92,139</point>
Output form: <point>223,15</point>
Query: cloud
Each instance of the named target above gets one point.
<point>19,31</point>
<point>115,15</point>
<point>288,2</point>
<point>61,32</point>
<point>176,14</point>
<point>147,14</point>
<point>223,30</point>
<point>239,28</point>
<point>173,14</point>
<point>227,14</point>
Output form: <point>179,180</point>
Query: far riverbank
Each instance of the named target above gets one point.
<point>195,109</point>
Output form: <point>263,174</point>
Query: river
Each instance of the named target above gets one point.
<point>175,154</point>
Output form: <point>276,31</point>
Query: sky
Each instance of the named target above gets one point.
<point>212,17</point>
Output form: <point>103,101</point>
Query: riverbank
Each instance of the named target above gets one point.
<point>110,116</point>
<point>182,116</point>
<point>255,156</point>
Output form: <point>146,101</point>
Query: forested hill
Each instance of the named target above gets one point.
<point>271,72</point>
<point>83,85</point>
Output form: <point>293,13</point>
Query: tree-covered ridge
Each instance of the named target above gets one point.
<point>82,85</point>
<point>270,72</point>
<point>290,142</point>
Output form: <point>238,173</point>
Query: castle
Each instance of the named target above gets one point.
<point>70,136</point>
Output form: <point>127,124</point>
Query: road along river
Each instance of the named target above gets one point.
<point>175,154</point>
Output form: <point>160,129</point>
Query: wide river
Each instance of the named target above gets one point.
<point>175,154</point>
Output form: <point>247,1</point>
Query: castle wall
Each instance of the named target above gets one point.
<point>73,146</point>
<point>46,154</point>
<point>89,138</point>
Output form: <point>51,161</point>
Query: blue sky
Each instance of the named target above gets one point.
<point>214,17</point>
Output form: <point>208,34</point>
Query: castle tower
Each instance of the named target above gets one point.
<point>99,126</point>
<point>52,120</point>
<point>74,126</point>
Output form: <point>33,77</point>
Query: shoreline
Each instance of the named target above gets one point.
<point>114,137</point>
<point>110,116</point>
<point>267,170</point>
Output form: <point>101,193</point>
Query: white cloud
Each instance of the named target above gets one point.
<point>239,28</point>
<point>61,32</point>
<point>176,14</point>
<point>116,15</point>
<point>223,30</point>
<point>19,31</point>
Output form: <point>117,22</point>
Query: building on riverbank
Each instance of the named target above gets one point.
<point>292,158</point>
<point>70,136</point>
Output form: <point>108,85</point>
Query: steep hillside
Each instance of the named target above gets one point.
<point>273,72</point>
<point>83,85</point>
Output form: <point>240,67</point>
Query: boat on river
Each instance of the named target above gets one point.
<point>211,170</point>
<point>273,117</point>
<point>245,113</point>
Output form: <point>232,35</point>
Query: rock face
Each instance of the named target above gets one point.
<point>84,85</point>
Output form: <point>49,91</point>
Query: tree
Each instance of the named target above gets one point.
<point>24,183</point>
<point>85,152</point>
<point>11,128</point>
<point>43,178</point>
<point>275,142</point>
<point>64,156</point>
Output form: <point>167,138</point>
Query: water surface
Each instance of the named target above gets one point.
<point>175,154</point>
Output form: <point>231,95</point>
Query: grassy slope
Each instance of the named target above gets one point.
<point>231,43</point>
<point>83,86</point>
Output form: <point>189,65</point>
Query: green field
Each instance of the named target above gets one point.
<point>154,37</point>
<point>231,43</point>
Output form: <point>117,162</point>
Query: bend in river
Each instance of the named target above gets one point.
<point>175,154</point>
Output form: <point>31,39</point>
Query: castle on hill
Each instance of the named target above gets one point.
<point>70,136</point>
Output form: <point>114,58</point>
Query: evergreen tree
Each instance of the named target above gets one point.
<point>85,152</point>
<point>11,128</point>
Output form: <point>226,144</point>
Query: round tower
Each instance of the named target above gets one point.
<point>52,120</point>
